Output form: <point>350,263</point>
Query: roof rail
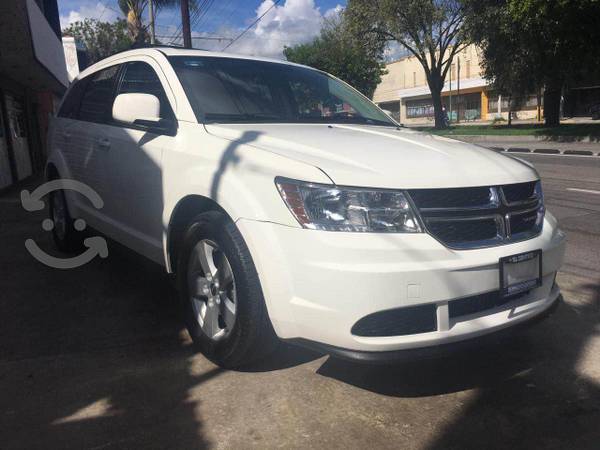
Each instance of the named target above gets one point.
<point>148,45</point>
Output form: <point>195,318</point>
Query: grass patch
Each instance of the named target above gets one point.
<point>567,129</point>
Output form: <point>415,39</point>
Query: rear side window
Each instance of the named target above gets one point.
<point>70,106</point>
<point>98,96</point>
<point>140,78</point>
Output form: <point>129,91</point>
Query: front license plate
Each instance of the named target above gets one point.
<point>520,273</point>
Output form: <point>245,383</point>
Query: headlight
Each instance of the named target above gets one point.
<point>335,208</point>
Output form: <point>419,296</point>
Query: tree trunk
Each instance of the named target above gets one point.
<point>552,104</point>
<point>435,86</point>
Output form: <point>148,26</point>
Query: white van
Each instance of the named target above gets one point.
<point>289,206</point>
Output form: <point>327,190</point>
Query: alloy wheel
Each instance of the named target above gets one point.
<point>211,288</point>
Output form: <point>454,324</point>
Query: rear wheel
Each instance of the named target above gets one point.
<point>220,292</point>
<point>64,229</point>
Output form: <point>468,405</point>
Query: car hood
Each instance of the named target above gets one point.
<point>385,157</point>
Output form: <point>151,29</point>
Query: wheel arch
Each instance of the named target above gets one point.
<point>51,171</point>
<point>183,212</point>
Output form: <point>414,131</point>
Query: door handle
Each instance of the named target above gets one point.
<point>103,143</point>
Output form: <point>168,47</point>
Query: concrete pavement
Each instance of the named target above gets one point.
<point>96,357</point>
<point>531,143</point>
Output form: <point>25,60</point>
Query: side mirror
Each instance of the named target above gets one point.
<point>142,110</point>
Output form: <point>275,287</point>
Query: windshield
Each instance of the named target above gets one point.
<point>228,90</point>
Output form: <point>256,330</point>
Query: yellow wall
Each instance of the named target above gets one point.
<point>408,73</point>
<point>484,104</point>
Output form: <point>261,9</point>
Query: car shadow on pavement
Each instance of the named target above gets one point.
<point>459,371</point>
<point>93,357</point>
<point>527,391</point>
<point>96,357</point>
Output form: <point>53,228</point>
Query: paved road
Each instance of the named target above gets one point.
<point>96,358</point>
<point>572,193</point>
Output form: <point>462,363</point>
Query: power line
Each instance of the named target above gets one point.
<point>208,38</point>
<point>200,16</point>
<point>217,37</point>
<point>222,6</point>
<point>177,33</point>
<point>251,25</point>
<point>199,9</point>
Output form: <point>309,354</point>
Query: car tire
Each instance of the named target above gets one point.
<point>228,289</point>
<point>64,233</point>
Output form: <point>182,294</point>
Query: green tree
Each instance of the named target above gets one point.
<point>336,51</point>
<point>506,59</point>
<point>431,30</point>
<point>101,39</point>
<point>537,43</point>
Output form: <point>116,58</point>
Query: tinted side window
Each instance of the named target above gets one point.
<point>98,96</point>
<point>70,107</point>
<point>140,78</point>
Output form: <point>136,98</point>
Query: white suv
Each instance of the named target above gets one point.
<point>289,206</point>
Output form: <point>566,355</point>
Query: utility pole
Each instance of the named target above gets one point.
<point>185,24</point>
<point>458,90</point>
<point>151,12</point>
<point>450,106</point>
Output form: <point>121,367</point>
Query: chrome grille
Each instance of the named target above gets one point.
<point>477,217</point>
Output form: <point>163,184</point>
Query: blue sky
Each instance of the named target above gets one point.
<point>290,22</point>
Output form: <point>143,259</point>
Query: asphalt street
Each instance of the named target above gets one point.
<point>571,186</point>
<point>96,358</point>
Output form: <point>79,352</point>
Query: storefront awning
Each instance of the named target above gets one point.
<point>424,90</point>
<point>30,52</point>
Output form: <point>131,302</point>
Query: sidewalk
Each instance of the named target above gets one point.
<point>527,144</point>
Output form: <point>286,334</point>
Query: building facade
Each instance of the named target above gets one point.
<point>466,95</point>
<point>33,78</point>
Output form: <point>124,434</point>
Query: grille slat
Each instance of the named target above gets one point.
<point>459,230</point>
<point>482,216</point>
<point>477,197</point>
<point>519,192</point>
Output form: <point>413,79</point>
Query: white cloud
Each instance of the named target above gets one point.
<point>333,12</point>
<point>294,22</point>
<point>89,10</point>
<point>394,51</point>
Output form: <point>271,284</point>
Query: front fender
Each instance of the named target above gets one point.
<point>234,174</point>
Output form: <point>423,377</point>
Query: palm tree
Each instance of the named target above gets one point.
<point>134,11</point>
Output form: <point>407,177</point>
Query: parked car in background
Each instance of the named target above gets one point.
<point>290,207</point>
<point>595,111</point>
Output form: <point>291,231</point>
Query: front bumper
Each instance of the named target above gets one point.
<point>433,351</point>
<point>318,284</point>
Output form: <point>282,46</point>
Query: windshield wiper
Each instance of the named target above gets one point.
<point>358,120</point>
<point>218,117</point>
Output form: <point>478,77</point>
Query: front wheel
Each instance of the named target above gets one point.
<point>220,292</point>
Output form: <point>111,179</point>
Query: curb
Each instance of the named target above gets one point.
<point>544,151</point>
<point>547,151</point>
<point>579,152</point>
<point>523,138</point>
